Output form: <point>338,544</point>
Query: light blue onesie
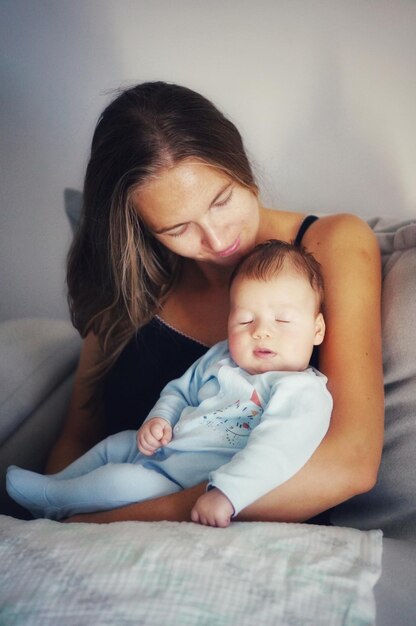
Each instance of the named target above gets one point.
<point>245,433</point>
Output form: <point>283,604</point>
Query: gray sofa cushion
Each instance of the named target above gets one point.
<point>391,504</point>
<point>73,207</point>
<point>37,355</point>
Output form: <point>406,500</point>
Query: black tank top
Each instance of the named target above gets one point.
<point>157,354</point>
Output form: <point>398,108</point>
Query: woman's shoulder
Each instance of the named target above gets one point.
<point>343,224</point>
<point>349,254</point>
<point>327,231</point>
<point>342,233</point>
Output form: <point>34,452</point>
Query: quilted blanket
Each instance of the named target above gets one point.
<point>182,574</point>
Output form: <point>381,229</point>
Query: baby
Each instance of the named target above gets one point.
<point>246,416</point>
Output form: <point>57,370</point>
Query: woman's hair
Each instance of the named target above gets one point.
<point>118,273</point>
<point>269,258</point>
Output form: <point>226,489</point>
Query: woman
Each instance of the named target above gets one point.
<point>170,206</point>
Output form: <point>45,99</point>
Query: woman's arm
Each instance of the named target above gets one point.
<point>81,429</point>
<point>347,461</point>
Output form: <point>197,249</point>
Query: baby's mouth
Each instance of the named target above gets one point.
<point>264,353</point>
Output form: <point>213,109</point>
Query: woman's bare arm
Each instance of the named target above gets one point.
<point>347,461</point>
<point>81,429</point>
<point>173,508</point>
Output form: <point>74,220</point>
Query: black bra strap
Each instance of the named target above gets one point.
<point>310,219</point>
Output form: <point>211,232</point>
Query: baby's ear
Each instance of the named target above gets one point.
<point>319,329</point>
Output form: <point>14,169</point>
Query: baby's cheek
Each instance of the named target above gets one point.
<point>236,346</point>
<point>232,341</point>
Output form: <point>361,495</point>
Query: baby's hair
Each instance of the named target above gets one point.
<point>269,258</point>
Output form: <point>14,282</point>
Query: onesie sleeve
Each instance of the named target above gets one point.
<point>293,424</point>
<point>183,391</point>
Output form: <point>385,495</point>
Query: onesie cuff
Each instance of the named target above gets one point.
<point>212,486</point>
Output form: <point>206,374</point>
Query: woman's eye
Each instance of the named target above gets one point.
<point>179,231</point>
<point>225,200</point>
<point>282,321</point>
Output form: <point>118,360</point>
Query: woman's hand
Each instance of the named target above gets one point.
<point>153,434</point>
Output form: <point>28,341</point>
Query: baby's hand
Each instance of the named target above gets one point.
<point>153,435</point>
<point>212,509</point>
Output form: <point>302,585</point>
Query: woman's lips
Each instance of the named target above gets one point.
<point>231,249</point>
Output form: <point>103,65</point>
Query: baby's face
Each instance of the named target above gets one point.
<point>273,325</point>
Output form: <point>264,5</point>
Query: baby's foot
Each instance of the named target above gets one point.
<point>29,489</point>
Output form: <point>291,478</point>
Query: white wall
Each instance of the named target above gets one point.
<point>324,92</point>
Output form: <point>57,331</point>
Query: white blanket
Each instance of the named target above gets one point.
<point>182,574</point>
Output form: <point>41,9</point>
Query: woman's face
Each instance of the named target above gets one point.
<point>200,213</point>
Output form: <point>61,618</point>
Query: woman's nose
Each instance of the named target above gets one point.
<point>214,237</point>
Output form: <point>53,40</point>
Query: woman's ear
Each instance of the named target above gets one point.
<point>319,329</point>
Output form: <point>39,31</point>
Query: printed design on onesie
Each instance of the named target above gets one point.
<point>236,421</point>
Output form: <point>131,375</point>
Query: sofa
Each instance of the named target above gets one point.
<point>360,570</point>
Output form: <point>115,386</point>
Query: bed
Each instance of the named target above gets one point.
<point>359,571</point>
